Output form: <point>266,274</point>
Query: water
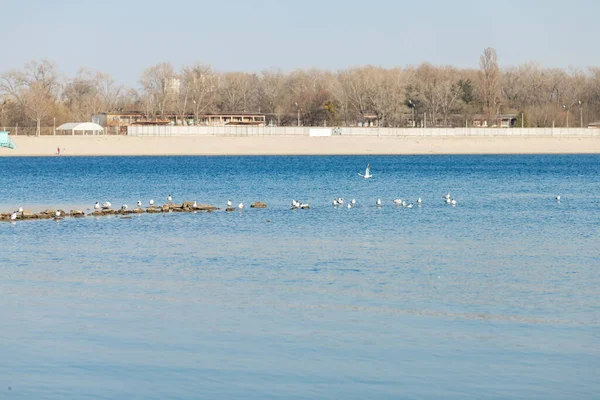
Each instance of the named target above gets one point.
<point>496,298</point>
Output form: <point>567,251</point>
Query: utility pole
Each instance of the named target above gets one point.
<point>425,120</point>
<point>522,121</point>
<point>54,130</point>
<point>581,114</point>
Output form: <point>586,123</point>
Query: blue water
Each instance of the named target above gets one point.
<point>496,298</point>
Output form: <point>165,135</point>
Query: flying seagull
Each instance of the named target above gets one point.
<point>367,174</point>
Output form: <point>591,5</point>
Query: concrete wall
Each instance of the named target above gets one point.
<point>148,130</point>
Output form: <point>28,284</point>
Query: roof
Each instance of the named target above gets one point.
<point>80,126</point>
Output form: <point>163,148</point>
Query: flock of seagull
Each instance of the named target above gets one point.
<point>296,204</point>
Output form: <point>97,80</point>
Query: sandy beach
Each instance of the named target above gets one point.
<point>295,145</point>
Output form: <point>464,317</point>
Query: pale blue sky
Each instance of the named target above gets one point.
<point>124,37</point>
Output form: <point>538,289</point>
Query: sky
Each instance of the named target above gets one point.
<point>124,37</point>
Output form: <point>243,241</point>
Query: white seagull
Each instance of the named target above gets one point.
<point>151,202</point>
<point>367,174</point>
<point>557,198</point>
<point>169,198</point>
<point>229,203</point>
<point>241,206</point>
<point>139,203</point>
<point>21,210</point>
<point>341,201</point>
<point>57,214</point>
<point>124,207</point>
<point>303,205</point>
<point>397,202</point>
<point>335,202</point>
<point>453,202</point>
<point>106,204</point>
<point>353,202</point>
<point>419,201</point>
<point>349,205</point>
<point>378,202</point>
<point>13,216</point>
<point>97,206</point>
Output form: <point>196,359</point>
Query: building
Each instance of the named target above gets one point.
<point>116,123</point>
<point>594,125</point>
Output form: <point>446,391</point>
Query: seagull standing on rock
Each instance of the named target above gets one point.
<point>169,198</point>
<point>97,206</point>
<point>139,203</point>
<point>229,203</point>
<point>151,202</point>
<point>13,216</point>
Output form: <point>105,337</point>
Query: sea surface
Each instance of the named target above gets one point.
<point>496,298</point>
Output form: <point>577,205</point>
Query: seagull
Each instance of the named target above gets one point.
<point>21,210</point>
<point>398,202</point>
<point>169,198</point>
<point>195,204</point>
<point>409,206</point>
<point>448,200</point>
<point>419,201</point>
<point>13,216</point>
<point>124,207</point>
<point>295,203</point>
<point>353,202</point>
<point>241,206</point>
<point>349,205</point>
<point>378,202</point>
<point>367,174</point>
<point>57,214</point>
<point>403,203</point>
<point>341,201</point>
<point>151,202</point>
<point>97,206</point>
<point>229,203</point>
<point>453,202</point>
<point>303,205</point>
<point>335,202</point>
<point>106,204</point>
<point>557,198</point>
<point>139,203</point>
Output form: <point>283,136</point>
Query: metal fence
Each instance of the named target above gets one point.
<point>167,130</point>
<point>141,130</point>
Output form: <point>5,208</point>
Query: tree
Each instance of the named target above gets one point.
<point>490,83</point>
<point>160,85</point>
<point>200,84</point>
<point>35,89</point>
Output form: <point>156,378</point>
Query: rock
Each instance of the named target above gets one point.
<point>77,213</point>
<point>98,213</point>
<point>153,210</point>
<point>44,216</point>
<point>230,209</point>
<point>165,208</point>
<point>137,211</point>
<point>28,215</point>
<point>205,207</point>
<point>258,204</point>
<point>188,204</point>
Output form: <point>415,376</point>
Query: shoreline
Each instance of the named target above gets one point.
<point>295,145</point>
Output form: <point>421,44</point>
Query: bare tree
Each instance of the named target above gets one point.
<point>238,92</point>
<point>160,85</point>
<point>200,84</point>
<point>490,83</point>
<point>35,89</point>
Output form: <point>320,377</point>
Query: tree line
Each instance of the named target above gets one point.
<point>39,95</point>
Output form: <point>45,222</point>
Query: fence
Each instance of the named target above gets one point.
<point>146,130</point>
<point>167,130</point>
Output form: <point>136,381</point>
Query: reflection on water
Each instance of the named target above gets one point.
<point>496,298</point>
